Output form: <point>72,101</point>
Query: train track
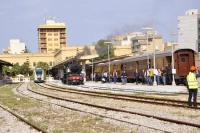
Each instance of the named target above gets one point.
<point>22,119</point>
<point>120,110</point>
<point>158,101</point>
<point>79,110</point>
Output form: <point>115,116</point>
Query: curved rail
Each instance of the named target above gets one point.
<point>90,112</point>
<point>22,119</point>
<point>159,101</point>
<point>120,110</point>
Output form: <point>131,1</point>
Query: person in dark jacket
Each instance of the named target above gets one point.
<point>124,77</point>
<point>96,76</point>
<point>143,75</point>
<point>136,75</point>
<point>169,73</point>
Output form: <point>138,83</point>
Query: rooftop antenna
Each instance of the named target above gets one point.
<point>58,19</point>
<point>45,16</point>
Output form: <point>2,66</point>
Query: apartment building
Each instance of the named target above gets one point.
<point>15,47</point>
<point>189,30</point>
<point>126,39</point>
<point>144,44</point>
<point>51,36</point>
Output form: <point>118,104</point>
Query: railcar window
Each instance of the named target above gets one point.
<point>182,59</point>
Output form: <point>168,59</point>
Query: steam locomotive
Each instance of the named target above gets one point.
<point>72,74</point>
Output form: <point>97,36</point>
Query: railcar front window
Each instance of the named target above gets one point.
<point>182,59</point>
<point>39,73</point>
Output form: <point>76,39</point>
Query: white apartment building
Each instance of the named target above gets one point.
<point>189,30</point>
<point>15,47</point>
<point>125,40</point>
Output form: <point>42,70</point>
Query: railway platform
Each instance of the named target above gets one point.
<point>140,87</point>
<point>131,87</point>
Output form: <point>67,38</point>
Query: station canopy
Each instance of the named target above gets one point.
<point>5,63</point>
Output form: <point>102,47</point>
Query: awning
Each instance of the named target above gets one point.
<point>2,62</point>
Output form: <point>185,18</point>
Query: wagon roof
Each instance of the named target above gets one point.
<point>143,57</point>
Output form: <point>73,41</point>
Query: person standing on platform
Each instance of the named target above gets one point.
<point>147,76</point>
<point>115,76</point>
<point>136,74</point>
<point>96,77</point>
<point>143,76</point>
<point>169,73</point>
<point>124,77</point>
<point>192,85</point>
<point>163,76</point>
<point>158,77</point>
<point>105,75</point>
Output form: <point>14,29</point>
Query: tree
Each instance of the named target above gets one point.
<point>5,70</point>
<point>102,50</point>
<point>26,50</point>
<point>25,68</point>
<point>42,65</point>
<point>16,69</point>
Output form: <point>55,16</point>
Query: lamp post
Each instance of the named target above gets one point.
<point>92,71</point>
<point>173,70</point>
<point>147,45</point>
<point>154,59</point>
<point>108,56</point>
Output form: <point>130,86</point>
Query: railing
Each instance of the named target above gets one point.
<point>20,79</point>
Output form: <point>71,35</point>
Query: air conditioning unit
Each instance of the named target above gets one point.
<point>144,48</point>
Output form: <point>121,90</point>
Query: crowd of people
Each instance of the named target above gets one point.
<point>146,77</point>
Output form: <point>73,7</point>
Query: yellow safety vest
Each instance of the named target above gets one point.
<point>192,81</point>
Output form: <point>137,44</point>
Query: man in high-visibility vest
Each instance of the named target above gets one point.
<point>192,86</point>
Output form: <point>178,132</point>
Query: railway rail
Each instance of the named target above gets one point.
<point>79,110</point>
<point>120,110</point>
<point>23,119</point>
<point>159,101</point>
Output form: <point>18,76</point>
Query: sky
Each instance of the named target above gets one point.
<point>88,21</point>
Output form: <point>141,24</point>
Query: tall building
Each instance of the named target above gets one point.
<point>15,47</point>
<point>189,30</point>
<point>51,36</point>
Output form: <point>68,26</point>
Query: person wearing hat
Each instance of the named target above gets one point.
<point>192,85</point>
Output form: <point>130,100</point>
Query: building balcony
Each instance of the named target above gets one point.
<point>43,37</point>
<point>62,42</point>
<point>62,37</point>
<point>43,42</point>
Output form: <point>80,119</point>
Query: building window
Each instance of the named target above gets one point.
<point>55,34</point>
<point>34,64</point>
<point>55,44</point>
<point>50,44</point>
<point>49,39</point>
<point>50,64</point>
<point>49,49</point>
<point>49,34</point>
<point>55,39</point>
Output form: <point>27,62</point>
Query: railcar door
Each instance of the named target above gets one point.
<point>184,64</point>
